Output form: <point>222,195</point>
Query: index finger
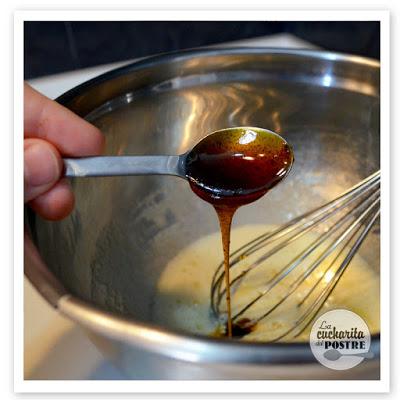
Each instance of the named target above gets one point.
<point>48,120</point>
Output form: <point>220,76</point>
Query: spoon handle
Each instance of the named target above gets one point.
<point>124,165</point>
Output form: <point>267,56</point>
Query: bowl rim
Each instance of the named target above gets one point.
<point>181,55</point>
<point>176,344</point>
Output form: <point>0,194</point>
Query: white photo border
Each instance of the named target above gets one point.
<point>273,386</point>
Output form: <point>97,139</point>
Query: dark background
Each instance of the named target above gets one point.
<point>52,47</point>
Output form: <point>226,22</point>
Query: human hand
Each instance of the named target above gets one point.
<point>50,132</point>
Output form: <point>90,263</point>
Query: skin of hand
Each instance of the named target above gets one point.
<point>51,132</point>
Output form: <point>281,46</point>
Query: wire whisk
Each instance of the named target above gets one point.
<point>334,232</point>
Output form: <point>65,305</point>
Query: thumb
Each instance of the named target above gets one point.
<point>42,167</point>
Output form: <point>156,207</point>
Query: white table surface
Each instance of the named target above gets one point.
<point>52,343</point>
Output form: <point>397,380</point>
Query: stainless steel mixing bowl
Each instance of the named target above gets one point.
<point>100,266</point>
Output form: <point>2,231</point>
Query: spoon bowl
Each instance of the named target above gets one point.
<point>240,164</point>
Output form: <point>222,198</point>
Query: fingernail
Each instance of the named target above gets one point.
<point>41,166</point>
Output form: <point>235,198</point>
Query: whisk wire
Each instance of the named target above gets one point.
<point>345,222</point>
<point>309,315</point>
<point>318,262</point>
<point>305,227</point>
<point>285,271</point>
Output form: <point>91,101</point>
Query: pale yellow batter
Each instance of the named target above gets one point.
<point>183,299</point>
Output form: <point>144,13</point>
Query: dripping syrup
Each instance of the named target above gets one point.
<point>230,168</point>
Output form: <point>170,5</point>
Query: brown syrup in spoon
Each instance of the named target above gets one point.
<point>233,167</point>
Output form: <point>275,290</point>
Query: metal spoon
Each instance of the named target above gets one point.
<point>334,354</point>
<point>269,144</point>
